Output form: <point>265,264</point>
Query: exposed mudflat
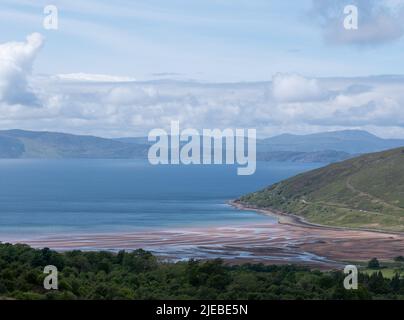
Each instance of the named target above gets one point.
<point>266,243</point>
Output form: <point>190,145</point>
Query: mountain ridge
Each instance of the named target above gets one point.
<point>325,147</point>
<point>350,141</point>
<point>362,192</point>
<point>45,144</point>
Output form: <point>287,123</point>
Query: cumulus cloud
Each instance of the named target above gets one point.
<point>80,76</point>
<point>290,103</point>
<point>129,95</point>
<point>109,106</point>
<point>16,60</point>
<point>379,21</point>
<point>294,87</point>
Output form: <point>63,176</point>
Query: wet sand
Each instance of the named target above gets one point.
<point>271,243</point>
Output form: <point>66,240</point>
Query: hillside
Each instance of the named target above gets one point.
<point>366,192</point>
<point>350,141</point>
<point>325,156</point>
<point>326,147</point>
<point>30,144</point>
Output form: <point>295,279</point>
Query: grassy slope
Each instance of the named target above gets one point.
<point>366,192</point>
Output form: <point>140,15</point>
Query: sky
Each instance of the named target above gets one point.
<point>122,68</point>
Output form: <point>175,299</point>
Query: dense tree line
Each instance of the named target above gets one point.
<point>140,275</point>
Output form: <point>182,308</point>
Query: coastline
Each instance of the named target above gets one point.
<point>358,243</point>
<point>290,241</point>
<point>292,219</point>
<point>265,243</point>
<point>282,217</point>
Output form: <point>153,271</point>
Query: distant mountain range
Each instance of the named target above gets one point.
<point>30,144</point>
<point>349,141</point>
<point>363,192</point>
<point>326,147</point>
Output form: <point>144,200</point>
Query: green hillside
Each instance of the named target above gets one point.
<point>365,192</point>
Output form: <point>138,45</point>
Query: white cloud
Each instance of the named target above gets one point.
<point>127,95</point>
<point>134,108</point>
<point>16,59</point>
<point>94,77</point>
<point>294,87</point>
<point>109,106</point>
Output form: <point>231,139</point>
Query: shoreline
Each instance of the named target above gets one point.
<point>238,244</point>
<point>292,219</point>
<point>378,243</point>
<point>282,217</point>
<point>288,241</point>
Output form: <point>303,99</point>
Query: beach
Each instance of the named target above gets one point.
<point>289,241</point>
<point>61,207</point>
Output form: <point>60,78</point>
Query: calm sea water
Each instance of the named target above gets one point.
<point>43,197</point>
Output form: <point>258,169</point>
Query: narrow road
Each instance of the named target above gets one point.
<point>365,194</point>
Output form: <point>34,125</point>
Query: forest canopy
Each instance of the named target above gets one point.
<point>141,275</point>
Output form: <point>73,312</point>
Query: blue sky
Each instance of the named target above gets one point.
<point>277,66</point>
<point>209,40</point>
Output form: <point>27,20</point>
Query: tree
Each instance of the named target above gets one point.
<point>374,264</point>
<point>377,283</point>
<point>399,259</point>
<point>395,283</point>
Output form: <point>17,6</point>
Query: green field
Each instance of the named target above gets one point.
<point>363,192</point>
<point>388,273</point>
<point>389,268</point>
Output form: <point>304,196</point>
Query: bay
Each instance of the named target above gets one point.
<point>48,197</point>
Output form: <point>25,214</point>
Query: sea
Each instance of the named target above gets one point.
<point>64,197</point>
